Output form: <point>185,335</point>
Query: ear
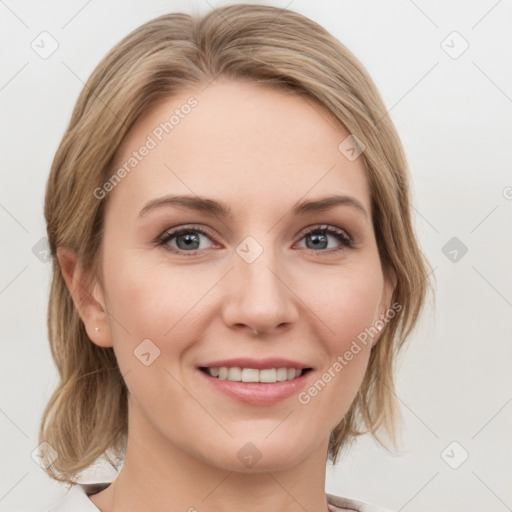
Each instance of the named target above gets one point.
<point>88,297</point>
<point>388,288</point>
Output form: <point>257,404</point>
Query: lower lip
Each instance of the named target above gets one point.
<point>258,393</point>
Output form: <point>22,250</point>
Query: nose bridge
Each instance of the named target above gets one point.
<point>260,298</point>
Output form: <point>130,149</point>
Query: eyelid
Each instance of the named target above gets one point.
<point>324,227</point>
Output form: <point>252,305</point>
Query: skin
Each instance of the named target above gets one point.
<point>259,150</point>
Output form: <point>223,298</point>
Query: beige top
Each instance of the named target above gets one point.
<point>77,500</point>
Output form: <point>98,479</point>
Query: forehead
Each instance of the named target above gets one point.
<point>240,141</point>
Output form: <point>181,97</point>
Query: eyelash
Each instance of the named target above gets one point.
<point>340,234</point>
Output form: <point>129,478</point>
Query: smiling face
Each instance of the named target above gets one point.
<point>253,275</point>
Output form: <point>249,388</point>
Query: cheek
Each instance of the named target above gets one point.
<point>152,297</point>
<point>154,302</point>
<point>347,310</point>
<point>150,302</point>
<point>347,304</point>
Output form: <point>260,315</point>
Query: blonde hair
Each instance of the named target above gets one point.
<point>86,416</point>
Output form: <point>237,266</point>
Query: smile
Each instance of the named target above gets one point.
<point>267,375</point>
<point>259,387</point>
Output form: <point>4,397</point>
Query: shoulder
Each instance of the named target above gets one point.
<point>77,499</point>
<point>337,503</point>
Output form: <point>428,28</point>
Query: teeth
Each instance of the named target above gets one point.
<point>234,374</point>
<point>269,375</point>
<point>282,374</point>
<point>249,375</point>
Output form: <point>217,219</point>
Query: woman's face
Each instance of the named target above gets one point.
<point>263,280</point>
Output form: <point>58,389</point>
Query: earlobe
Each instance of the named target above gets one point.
<point>87,297</point>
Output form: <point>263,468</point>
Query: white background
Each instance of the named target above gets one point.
<point>454,117</point>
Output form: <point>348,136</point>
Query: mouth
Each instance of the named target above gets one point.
<point>256,387</point>
<point>254,375</point>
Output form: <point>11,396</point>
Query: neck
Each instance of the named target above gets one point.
<point>160,476</point>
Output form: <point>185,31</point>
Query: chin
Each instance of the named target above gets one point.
<point>259,456</point>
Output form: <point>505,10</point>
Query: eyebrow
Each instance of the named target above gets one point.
<point>218,209</point>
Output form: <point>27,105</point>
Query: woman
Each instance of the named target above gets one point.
<point>235,268</point>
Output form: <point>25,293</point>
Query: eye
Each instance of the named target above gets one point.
<point>186,239</point>
<point>318,238</point>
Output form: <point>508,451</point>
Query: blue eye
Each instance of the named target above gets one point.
<point>319,238</point>
<point>187,240</point>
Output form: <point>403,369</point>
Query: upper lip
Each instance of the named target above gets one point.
<point>258,364</point>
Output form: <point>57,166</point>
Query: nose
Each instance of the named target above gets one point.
<point>259,296</point>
